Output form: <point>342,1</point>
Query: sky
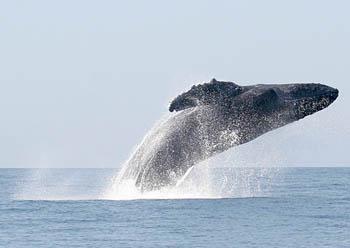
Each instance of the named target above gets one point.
<point>81,82</point>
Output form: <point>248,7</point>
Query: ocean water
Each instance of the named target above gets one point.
<point>238,207</point>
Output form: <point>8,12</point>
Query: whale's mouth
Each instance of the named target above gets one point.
<point>311,103</point>
<point>308,90</point>
<point>332,94</point>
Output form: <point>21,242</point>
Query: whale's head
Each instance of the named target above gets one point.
<point>258,108</point>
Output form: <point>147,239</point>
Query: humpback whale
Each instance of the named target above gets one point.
<point>211,118</point>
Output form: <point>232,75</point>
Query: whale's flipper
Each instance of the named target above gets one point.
<point>182,179</point>
<point>214,92</point>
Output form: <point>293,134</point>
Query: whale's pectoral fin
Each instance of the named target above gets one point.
<point>215,92</point>
<point>182,179</point>
<point>183,102</point>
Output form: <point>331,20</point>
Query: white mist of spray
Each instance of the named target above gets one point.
<point>225,175</point>
<point>204,180</point>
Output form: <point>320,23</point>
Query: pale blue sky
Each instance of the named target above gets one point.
<point>81,82</point>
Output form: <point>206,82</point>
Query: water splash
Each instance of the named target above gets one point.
<point>194,184</point>
<point>204,180</point>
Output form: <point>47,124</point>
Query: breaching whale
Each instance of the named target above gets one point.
<point>213,117</point>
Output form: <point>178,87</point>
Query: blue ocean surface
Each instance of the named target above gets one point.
<point>285,207</point>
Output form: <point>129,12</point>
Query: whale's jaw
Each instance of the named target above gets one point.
<point>313,103</point>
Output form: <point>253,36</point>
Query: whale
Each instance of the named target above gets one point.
<point>213,117</point>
